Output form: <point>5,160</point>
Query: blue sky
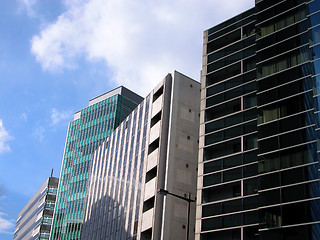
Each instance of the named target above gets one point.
<point>55,55</point>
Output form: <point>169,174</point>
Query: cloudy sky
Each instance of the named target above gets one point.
<point>56,55</point>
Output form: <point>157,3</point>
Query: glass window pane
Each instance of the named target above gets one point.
<point>232,174</point>
<point>250,186</point>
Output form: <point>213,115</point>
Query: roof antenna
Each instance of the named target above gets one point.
<point>51,172</point>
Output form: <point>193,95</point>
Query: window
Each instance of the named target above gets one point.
<point>147,205</point>
<point>249,64</point>
<point>250,142</point>
<point>211,210</point>
<point>212,179</point>
<point>232,174</point>
<point>157,94</point>
<point>223,41</point>
<point>233,234</point>
<point>250,186</point>
<point>249,101</point>
<point>271,217</point>
<point>270,114</point>
<point>223,135</point>
<point>226,191</point>
<point>223,109</point>
<point>213,166</point>
<point>222,149</point>
<point>270,181</point>
<point>223,74</point>
<point>282,22</point>
<point>155,119</point>
<point>283,62</point>
<point>153,146</point>
<point>151,174</point>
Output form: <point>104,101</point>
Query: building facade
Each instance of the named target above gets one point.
<point>259,132</point>
<point>90,127</point>
<point>155,147</point>
<point>35,219</point>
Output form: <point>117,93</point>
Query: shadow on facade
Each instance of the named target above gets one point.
<point>106,220</point>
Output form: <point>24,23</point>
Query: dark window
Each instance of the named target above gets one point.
<point>148,204</point>
<point>222,149</point>
<point>213,166</point>
<point>232,161</point>
<point>250,186</point>
<point>232,174</point>
<point>233,234</point>
<point>224,40</point>
<point>153,146</point>
<point>292,176</point>
<point>271,217</point>
<point>221,192</point>
<point>223,74</point>
<point>156,119</point>
<point>211,179</point>
<point>250,203</point>
<point>294,193</point>
<point>211,210</point>
<point>223,109</point>
<point>250,170</point>
<point>151,174</point>
<point>269,197</point>
<point>157,94</point>
<point>270,181</point>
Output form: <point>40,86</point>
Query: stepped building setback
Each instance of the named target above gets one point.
<point>259,127</point>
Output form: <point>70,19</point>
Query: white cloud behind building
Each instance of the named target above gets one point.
<point>135,40</point>
<point>6,226</point>
<point>4,139</point>
<point>60,116</point>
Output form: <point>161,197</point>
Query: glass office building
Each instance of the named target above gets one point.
<point>35,219</point>
<point>114,190</point>
<point>259,134</point>
<point>90,127</point>
<point>155,147</point>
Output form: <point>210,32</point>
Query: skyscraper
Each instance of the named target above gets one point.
<point>35,219</point>
<point>259,134</point>
<point>90,127</point>
<point>155,147</point>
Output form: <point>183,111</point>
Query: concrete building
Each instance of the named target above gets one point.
<point>155,147</point>
<point>259,132</point>
<point>35,219</point>
<point>90,127</point>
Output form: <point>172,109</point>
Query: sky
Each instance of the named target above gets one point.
<point>56,55</point>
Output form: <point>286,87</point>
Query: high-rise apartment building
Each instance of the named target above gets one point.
<point>259,132</point>
<point>35,219</point>
<point>90,127</point>
<point>155,147</point>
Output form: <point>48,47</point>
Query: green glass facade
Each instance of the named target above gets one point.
<point>91,126</point>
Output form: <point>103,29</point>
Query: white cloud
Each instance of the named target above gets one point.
<point>6,226</point>
<point>140,43</point>
<point>39,133</point>
<point>58,116</point>
<point>4,138</point>
<point>28,6</point>
<point>24,116</point>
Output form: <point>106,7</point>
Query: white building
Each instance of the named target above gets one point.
<point>35,219</point>
<point>155,147</point>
